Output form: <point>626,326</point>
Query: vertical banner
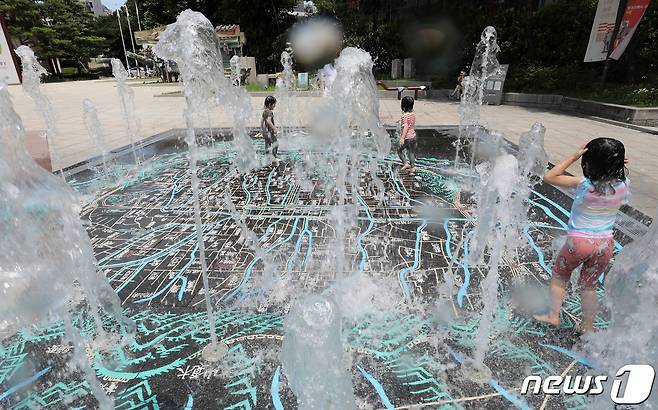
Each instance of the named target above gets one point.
<point>600,39</point>
<point>632,15</point>
<point>8,66</point>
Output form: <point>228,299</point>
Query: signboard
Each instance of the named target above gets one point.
<point>632,15</point>
<point>8,65</point>
<point>600,39</point>
<point>493,87</point>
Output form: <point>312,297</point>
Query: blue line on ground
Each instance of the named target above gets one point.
<point>22,384</point>
<point>359,242</point>
<point>378,388</point>
<point>179,276</point>
<point>249,270</point>
<point>403,273</point>
<point>582,359</point>
<point>274,389</point>
<point>509,396</point>
<point>190,402</point>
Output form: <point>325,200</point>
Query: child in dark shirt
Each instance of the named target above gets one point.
<point>267,127</point>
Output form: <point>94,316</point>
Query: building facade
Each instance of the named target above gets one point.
<point>97,8</point>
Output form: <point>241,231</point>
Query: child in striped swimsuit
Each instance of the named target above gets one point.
<point>408,144</point>
<point>598,196</point>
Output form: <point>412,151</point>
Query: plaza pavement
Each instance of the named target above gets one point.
<point>565,133</point>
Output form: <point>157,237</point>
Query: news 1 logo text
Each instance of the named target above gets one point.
<point>634,389</point>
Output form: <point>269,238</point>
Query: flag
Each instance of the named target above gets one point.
<point>632,15</point>
<point>600,38</point>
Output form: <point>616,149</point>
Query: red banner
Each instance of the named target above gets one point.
<point>632,15</point>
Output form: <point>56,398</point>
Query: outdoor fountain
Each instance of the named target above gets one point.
<point>285,89</point>
<point>630,286</point>
<point>323,278</point>
<point>235,70</point>
<point>485,64</point>
<point>31,74</point>
<point>127,102</point>
<point>47,264</point>
<point>312,355</point>
<point>192,44</point>
<point>95,131</point>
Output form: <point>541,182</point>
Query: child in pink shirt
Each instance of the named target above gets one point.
<point>408,143</point>
<point>598,196</point>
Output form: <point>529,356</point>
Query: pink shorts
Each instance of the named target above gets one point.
<point>593,253</point>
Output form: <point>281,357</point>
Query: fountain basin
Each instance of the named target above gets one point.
<point>142,232</point>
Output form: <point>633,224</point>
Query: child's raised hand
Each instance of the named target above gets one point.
<point>581,151</point>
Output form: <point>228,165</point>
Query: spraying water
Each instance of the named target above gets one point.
<point>285,87</point>
<point>485,64</point>
<point>95,131</point>
<point>357,138</point>
<point>235,70</point>
<point>312,356</point>
<point>496,226</point>
<point>532,156</point>
<point>327,75</point>
<point>31,73</point>
<point>127,99</point>
<point>192,43</point>
<point>197,52</point>
<point>631,298</point>
<point>347,125</point>
<point>46,258</point>
<point>505,185</point>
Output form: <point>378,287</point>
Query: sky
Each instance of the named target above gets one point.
<point>113,4</point>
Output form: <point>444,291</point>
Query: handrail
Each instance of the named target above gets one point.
<point>401,89</point>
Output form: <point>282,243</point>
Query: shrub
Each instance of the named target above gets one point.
<point>552,79</point>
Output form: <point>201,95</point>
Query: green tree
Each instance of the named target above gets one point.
<point>265,23</point>
<point>370,25</point>
<point>22,18</point>
<point>107,27</point>
<point>54,29</point>
<point>67,32</point>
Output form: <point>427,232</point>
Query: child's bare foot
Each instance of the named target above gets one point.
<point>548,319</point>
<point>412,170</point>
<point>405,167</point>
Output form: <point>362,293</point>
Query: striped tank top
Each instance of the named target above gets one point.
<point>409,119</point>
<point>593,214</point>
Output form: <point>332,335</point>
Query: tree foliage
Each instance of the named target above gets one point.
<point>22,18</point>
<point>54,28</point>
<point>265,23</point>
<point>67,31</point>
<point>544,46</point>
<point>370,25</point>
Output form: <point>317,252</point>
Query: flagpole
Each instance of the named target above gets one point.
<point>139,23</point>
<point>132,41</point>
<point>611,44</point>
<point>123,42</point>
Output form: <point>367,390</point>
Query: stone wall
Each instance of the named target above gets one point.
<point>631,115</point>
